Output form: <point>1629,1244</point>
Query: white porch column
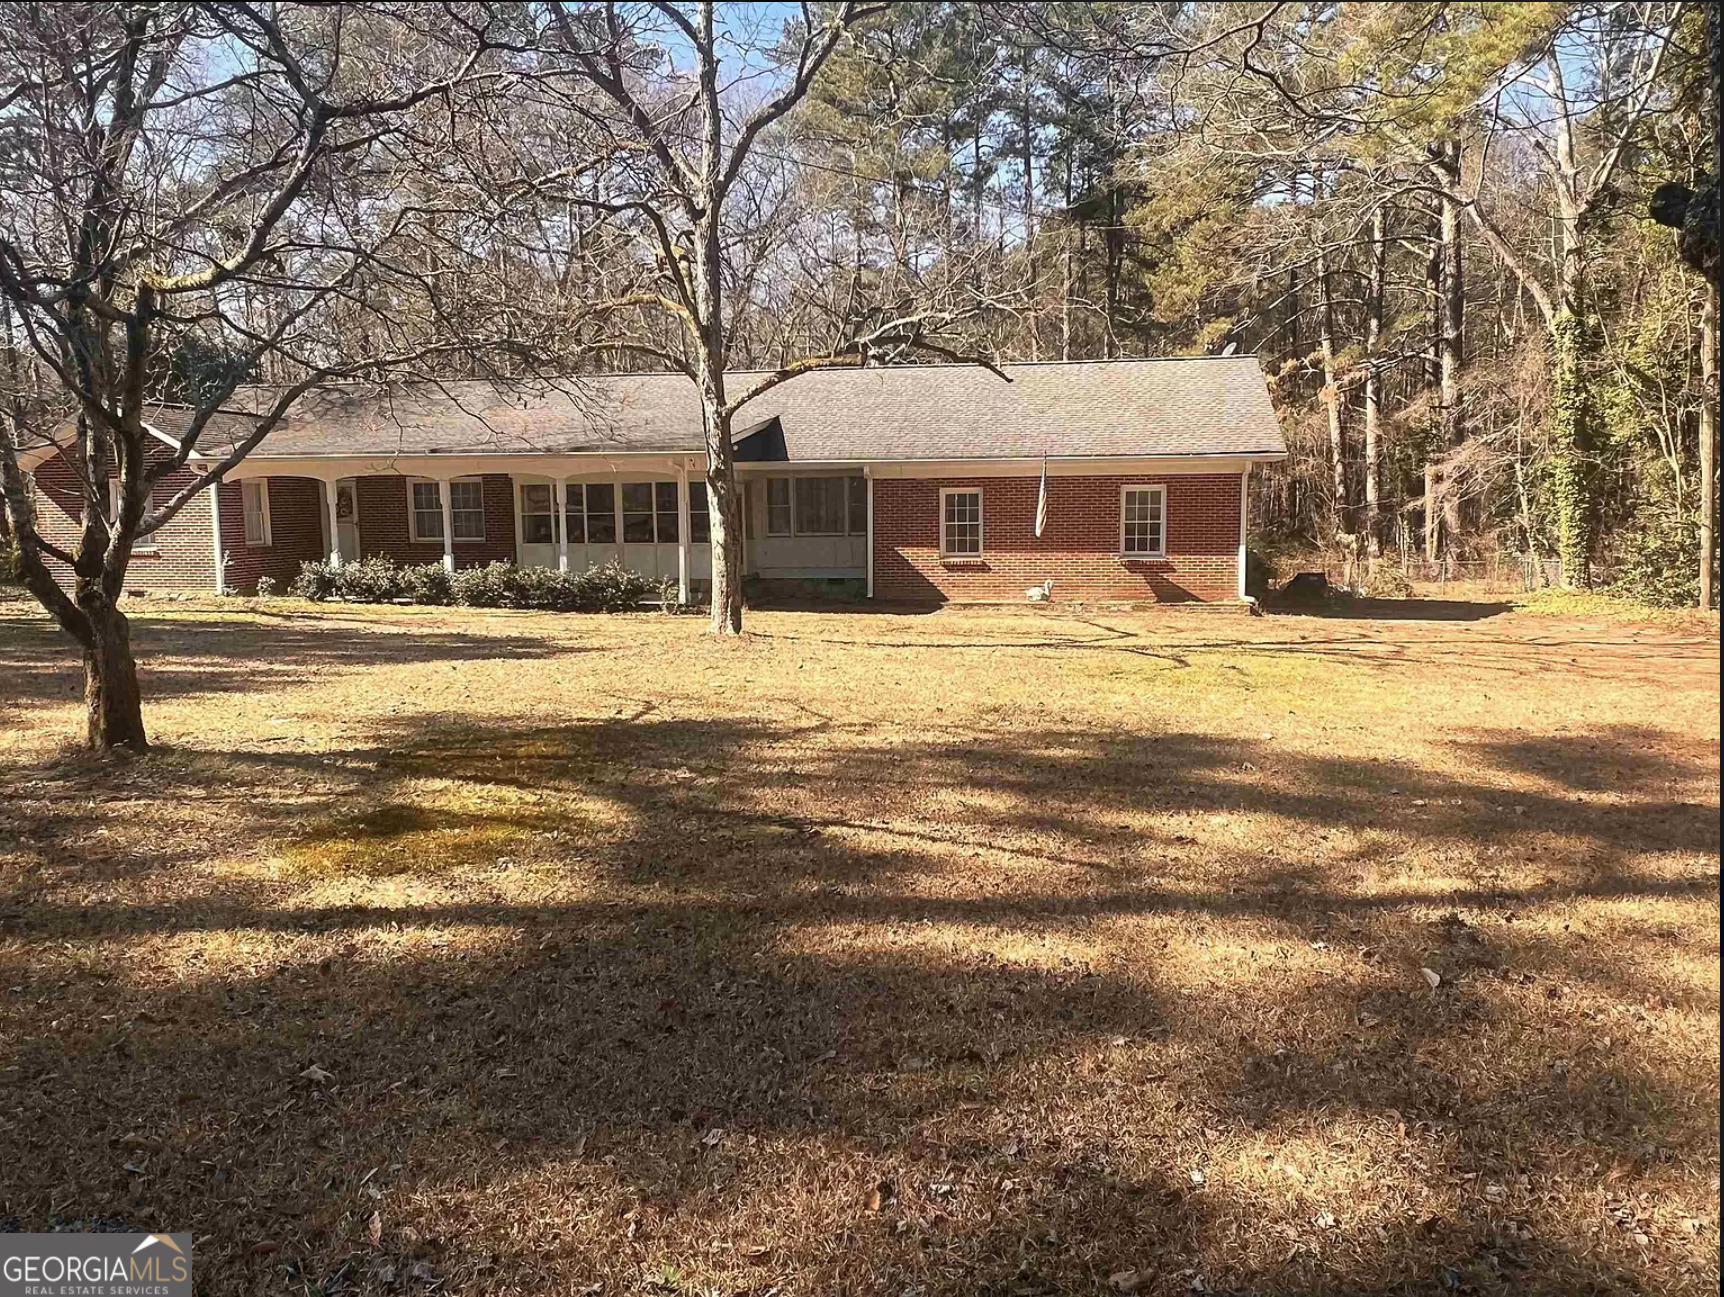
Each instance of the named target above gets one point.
<point>330,495</point>
<point>682,522</point>
<point>1244,505</point>
<point>214,493</point>
<point>559,494</point>
<point>868,473</point>
<point>448,524</point>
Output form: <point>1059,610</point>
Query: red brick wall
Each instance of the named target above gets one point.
<point>295,533</point>
<point>179,556</point>
<point>1078,550</point>
<point>384,528</point>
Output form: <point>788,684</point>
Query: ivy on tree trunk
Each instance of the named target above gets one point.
<point>1571,417</point>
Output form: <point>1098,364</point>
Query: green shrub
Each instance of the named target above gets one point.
<point>265,587</point>
<point>371,580</point>
<point>316,581</point>
<point>611,588</point>
<point>1660,562</point>
<point>428,583</point>
<point>482,587</point>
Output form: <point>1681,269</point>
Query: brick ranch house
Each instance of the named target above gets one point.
<point>903,484</point>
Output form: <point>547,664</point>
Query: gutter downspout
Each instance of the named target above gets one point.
<point>1244,508</point>
<point>214,493</point>
<point>683,512</point>
<point>868,476</point>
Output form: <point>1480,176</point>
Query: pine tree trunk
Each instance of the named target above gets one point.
<point>1332,394</point>
<point>1708,445</point>
<point>1570,450</point>
<point>1374,388</point>
<point>1433,516</point>
<point>1451,337</point>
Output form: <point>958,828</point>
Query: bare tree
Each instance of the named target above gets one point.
<point>215,177</point>
<point>676,162</point>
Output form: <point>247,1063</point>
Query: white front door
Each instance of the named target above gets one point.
<point>347,516</point>
<point>535,523</point>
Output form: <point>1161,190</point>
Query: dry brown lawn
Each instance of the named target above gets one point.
<point>986,952</point>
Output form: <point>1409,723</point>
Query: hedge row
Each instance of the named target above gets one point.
<point>611,588</point>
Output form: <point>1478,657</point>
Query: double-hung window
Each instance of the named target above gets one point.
<point>819,506</point>
<point>466,510</point>
<point>427,511</point>
<point>147,539</point>
<point>254,502</point>
<point>961,522</point>
<point>1143,521</point>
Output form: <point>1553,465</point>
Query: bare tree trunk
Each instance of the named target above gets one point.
<point>1374,388</point>
<point>1433,518</point>
<point>1331,392</point>
<point>1708,444</point>
<point>1066,242</point>
<point>112,703</point>
<point>1451,340</point>
<point>726,511</point>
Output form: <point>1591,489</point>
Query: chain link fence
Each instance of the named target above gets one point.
<point>1496,574</point>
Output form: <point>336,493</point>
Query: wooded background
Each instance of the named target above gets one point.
<point>1430,220</point>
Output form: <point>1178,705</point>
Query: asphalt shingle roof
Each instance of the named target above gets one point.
<point>1207,405</point>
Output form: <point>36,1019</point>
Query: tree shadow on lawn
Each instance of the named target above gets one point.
<point>771,999</point>
<point>1358,608</point>
<point>221,655</point>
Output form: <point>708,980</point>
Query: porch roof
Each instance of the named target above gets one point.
<point>1188,406</point>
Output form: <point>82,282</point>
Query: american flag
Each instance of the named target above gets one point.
<point>1042,499</point>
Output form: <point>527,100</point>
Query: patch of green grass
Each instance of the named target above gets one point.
<point>1595,603</point>
<point>395,839</point>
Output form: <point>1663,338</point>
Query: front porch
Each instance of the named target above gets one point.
<point>651,517</point>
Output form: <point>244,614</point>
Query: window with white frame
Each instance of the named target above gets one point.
<point>538,514</point>
<point>961,522</point>
<point>145,539</point>
<point>254,500</point>
<point>466,510</point>
<point>1143,521</point>
<point>426,510</point>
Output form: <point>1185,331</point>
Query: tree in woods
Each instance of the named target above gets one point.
<point>193,195</point>
<point>1694,213</point>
